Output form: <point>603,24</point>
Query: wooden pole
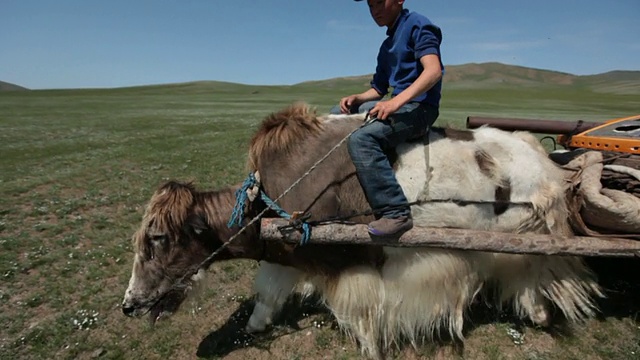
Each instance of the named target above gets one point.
<point>542,244</point>
<point>532,125</point>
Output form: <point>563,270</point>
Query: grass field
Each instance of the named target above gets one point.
<point>77,166</point>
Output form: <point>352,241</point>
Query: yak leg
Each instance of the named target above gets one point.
<point>356,299</point>
<point>536,281</point>
<point>533,304</point>
<point>519,278</point>
<point>273,285</point>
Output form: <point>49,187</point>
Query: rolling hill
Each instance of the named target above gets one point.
<point>5,86</point>
<point>467,76</point>
<point>492,75</point>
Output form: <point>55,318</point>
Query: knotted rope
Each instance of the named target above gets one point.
<point>252,185</point>
<point>242,195</point>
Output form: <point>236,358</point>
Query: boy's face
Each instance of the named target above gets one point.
<point>385,12</point>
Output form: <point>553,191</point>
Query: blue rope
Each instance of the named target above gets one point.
<point>306,228</point>
<point>237,214</point>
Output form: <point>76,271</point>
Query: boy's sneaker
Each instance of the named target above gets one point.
<point>390,227</point>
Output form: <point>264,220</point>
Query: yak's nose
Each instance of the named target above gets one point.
<point>128,309</point>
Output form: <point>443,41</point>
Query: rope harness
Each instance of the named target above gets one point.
<point>248,191</point>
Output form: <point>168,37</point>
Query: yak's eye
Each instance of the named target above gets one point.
<point>158,239</point>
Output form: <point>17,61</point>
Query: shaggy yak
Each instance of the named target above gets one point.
<point>484,179</point>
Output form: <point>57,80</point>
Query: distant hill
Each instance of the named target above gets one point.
<point>5,86</point>
<point>490,75</point>
<point>617,75</point>
<point>617,82</point>
<point>497,73</point>
<point>493,74</point>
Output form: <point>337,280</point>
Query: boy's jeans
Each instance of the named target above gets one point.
<point>368,146</point>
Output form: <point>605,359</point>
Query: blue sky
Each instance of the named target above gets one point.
<point>92,43</point>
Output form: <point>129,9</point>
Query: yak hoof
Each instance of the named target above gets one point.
<point>250,329</point>
<point>261,317</point>
<point>255,326</point>
<point>540,316</point>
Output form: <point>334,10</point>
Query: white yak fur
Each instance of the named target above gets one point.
<point>422,291</point>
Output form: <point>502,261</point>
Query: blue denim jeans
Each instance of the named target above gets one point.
<point>368,148</point>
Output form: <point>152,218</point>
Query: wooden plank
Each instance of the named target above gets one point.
<point>542,244</point>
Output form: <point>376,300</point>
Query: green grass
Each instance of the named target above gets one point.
<point>77,167</point>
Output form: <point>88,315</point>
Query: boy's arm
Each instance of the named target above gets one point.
<point>369,95</point>
<point>431,74</point>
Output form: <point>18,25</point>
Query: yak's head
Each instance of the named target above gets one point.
<point>170,245</point>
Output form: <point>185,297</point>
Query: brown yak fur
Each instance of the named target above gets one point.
<point>196,224</point>
<point>287,144</point>
<point>283,149</point>
<point>180,213</point>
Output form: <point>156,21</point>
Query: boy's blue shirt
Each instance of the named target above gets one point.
<point>412,37</point>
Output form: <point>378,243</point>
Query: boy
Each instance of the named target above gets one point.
<point>409,62</point>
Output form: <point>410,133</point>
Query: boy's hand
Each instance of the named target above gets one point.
<point>383,109</point>
<point>347,102</point>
